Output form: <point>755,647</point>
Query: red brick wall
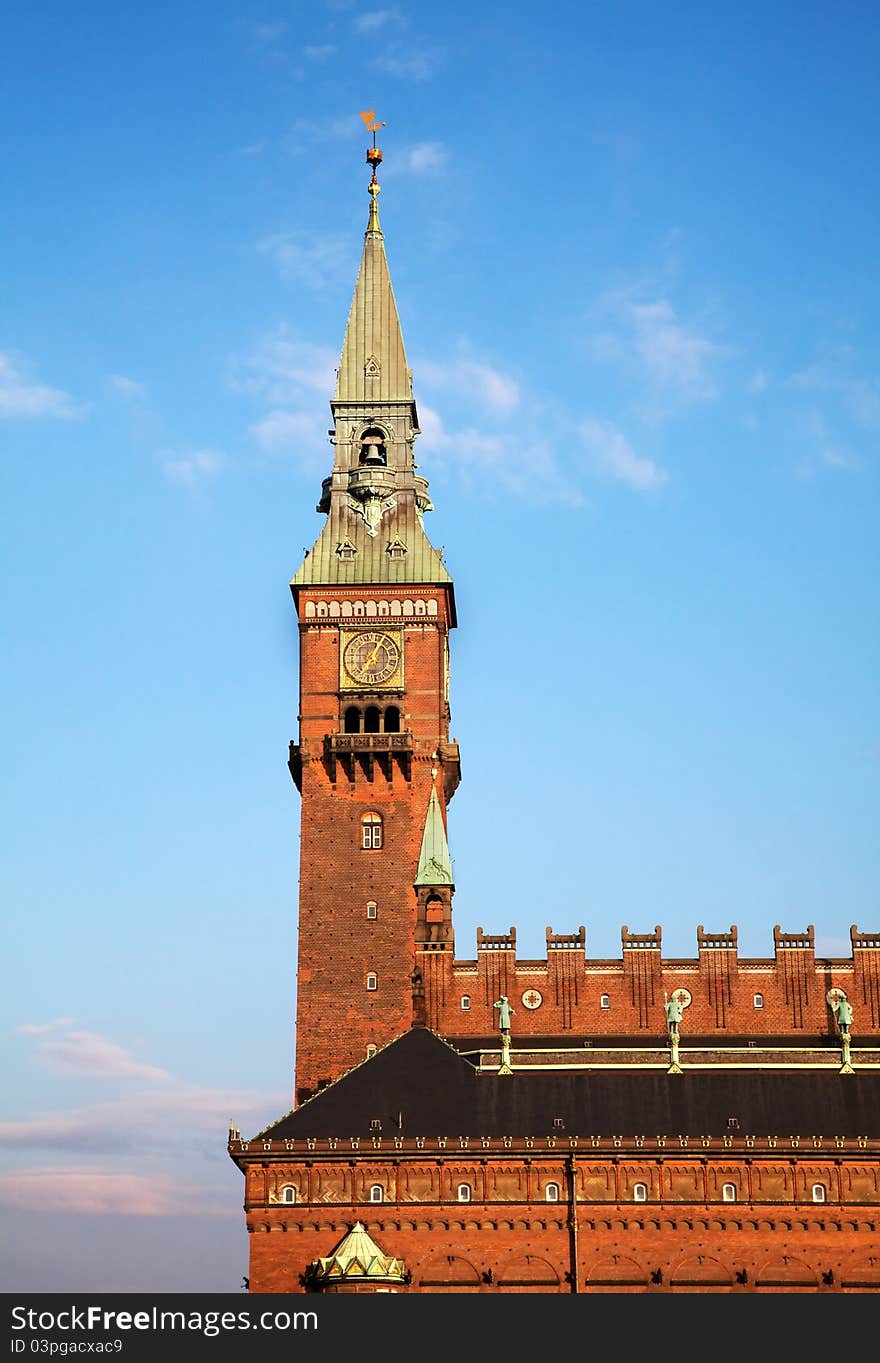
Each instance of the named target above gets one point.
<point>793,983</point>
<point>337,1017</point>
<point>509,1238</point>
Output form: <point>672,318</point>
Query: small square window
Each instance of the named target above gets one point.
<point>604,1001</point>
<point>372,910</point>
<point>372,981</point>
<point>465,1003</point>
<point>758,1000</point>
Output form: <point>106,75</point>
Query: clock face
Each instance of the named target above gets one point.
<point>370,659</point>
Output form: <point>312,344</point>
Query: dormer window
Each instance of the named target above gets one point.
<point>373,448</point>
<point>396,549</point>
<point>346,550</point>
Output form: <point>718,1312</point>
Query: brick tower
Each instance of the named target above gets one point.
<point>374,764</point>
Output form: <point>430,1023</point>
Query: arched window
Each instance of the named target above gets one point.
<point>377,1192</point>
<point>758,1000</point>
<point>288,1194</point>
<point>372,981</point>
<point>640,1192</point>
<point>465,1003</point>
<point>352,722</point>
<point>372,719</point>
<point>464,1192</point>
<point>371,831</point>
<point>372,909</point>
<point>604,1001</point>
<point>818,1192</point>
<point>728,1192</point>
<point>551,1192</point>
<point>392,720</point>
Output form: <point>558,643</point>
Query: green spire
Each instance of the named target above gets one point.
<point>435,863</point>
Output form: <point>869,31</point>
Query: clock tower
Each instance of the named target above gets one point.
<point>373,763</point>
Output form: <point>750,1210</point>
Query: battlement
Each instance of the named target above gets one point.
<point>786,995</point>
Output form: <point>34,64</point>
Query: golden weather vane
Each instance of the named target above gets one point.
<point>372,124</point>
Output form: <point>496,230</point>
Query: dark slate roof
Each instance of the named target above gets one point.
<point>418,1085</point>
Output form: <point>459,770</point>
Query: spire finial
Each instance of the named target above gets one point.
<point>374,157</point>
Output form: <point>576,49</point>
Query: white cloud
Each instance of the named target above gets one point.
<point>376,19</point>
<point>408,64</point>
<point>839,459</point>
<point>129,388</point>
<point>472,378</point>
<point>282,368</point>
<point>531,471</point>
<point>100,1192</point>
<point>194,467</point>
<point>309,260</point>
<point>425,158</point>
<point>89,1053</point>
<point>41,1028</point>
<point>676,360</point>
<point>21,397</point>
<point>613,456</point>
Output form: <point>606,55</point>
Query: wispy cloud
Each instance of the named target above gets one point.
<point>98,1192</point>
<point>478,455</point>
<point>129,388</point>
<point>835,376</point>
<point>286,375</point>
<point>424,158</point>
<point>194,467</point>
<point>320,53</point>
<point>612,456</point>
<point>89,1053</point>
<point>20,396</point>
<point>472,378</point>
<point>41,1028</point>
<point>282,366</point>
<point>409,63</point>
<point>308,259</point>
<point>374,19</point>
<point>676,361</point>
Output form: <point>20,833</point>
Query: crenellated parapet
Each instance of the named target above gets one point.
<point>724,995</point>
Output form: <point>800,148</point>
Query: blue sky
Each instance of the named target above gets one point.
<point>634,250</point>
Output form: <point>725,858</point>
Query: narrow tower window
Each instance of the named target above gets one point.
<point>377,1192</point>
<point>464,1192</point>
<point>640,1192</point>
<point>372,909</point>
<point>371,831</point>
<point>465,1003</point>
<point>604,1001</point>
<point>759,1000</point>
<point>372,982</point>
<point>352,722</point>
<point>551,1192</point>
<point>288,1194</point>
<point>818,1192</point>
<point>728,1192</point>
<point>372,719</point>
<point>392,720</point>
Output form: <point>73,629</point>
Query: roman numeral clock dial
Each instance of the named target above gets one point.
<point>370,659</point>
